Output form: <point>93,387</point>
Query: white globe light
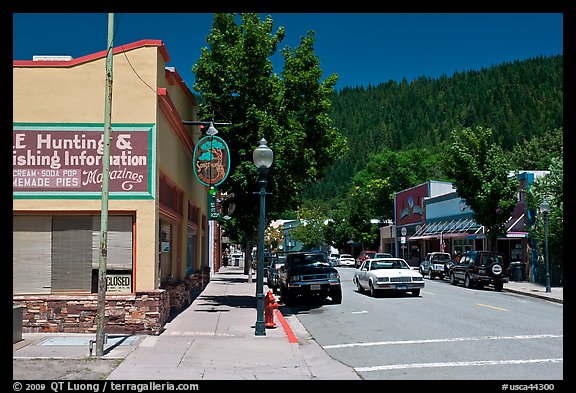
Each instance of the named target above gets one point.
<point>263,155</point>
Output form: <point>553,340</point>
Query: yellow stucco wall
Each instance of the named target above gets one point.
<point>62,95</point>
<point>77,94</point>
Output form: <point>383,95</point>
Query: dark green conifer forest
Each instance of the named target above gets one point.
<point>521,101</point>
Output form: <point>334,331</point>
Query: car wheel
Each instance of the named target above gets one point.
<point>285,296</point>
<point>453,279</point>
<point>336,296</point>
<point>372,289</point>
<point>360,287</point>
<point>416,292</point>
<point>468,282</point>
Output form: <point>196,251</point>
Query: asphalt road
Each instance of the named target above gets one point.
<point>447,333</point>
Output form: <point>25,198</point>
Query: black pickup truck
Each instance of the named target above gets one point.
<point>306,275</point>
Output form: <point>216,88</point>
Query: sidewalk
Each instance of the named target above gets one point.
<point>556,294</point>
<point>213,339</point>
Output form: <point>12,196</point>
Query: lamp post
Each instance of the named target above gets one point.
<point>262,157</point>
<point>545,209</point>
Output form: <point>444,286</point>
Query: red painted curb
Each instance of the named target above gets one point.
<point>291,337</point>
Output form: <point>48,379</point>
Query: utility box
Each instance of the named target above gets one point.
<point>17,323</point>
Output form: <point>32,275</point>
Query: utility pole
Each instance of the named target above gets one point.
<point>101,325</point>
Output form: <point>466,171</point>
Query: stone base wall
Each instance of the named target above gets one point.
<point>181,293</point>
<point>139,313</point>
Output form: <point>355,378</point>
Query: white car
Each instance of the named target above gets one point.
<point>347,260</point>
<point>334,259</point>
<point>236,258</point>
<point>387,274</point>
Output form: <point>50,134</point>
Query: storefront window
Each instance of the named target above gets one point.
<point>61,253</point>
<point>191,251</point>
<point>462,245</point>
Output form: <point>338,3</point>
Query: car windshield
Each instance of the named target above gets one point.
<point>390,264</point>
<point>309,260</point>
<point>345,256</point>
<point>443,257</point>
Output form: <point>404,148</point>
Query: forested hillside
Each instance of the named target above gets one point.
<point>519,101</point>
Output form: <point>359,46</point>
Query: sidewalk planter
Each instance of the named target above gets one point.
<point>17,323</point>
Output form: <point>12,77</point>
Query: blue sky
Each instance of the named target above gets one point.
<point>362,48</point>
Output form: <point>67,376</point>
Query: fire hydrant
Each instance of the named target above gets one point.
<point>269,305</point>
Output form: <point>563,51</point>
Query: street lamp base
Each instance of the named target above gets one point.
<point>260,329</point>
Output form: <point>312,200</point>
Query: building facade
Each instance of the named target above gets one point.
<point>409,217</point>
<point>157,229</point>
<point>449,226</point>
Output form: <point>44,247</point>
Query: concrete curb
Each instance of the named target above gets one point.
<point>534,294</point>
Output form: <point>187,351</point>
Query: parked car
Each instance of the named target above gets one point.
<point>272,279</point>
<point>306,275</point>
<point>382,255</point>
<point>364,255</point>
<point>269,259</point>
<point>478,268</point>
<point>347,260</point>
<point>334,259</point>
<point>387,274</point>
<point>436,264</point>
<point>236,258</point>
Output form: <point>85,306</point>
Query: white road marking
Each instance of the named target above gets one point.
<point>197,333</point>
<point>360,312</point>
<point>442,340</point>
<point>456,364</point>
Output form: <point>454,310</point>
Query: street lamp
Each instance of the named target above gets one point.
<point>545,209</point>
<point>262,157</point>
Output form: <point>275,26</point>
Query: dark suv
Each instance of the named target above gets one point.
<point>479,268</point>
<point>308,274</point>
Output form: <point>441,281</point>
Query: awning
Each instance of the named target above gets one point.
<point>452,228</point>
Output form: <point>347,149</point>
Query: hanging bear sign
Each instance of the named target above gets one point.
<point>211,160</point>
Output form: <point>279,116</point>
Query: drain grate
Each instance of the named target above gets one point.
<point>85,340</point>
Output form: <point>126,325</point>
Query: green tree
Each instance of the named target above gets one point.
<point>310,231</point>
<point>273,238</point>
<point>551,188</point>
<point>386,173</point>
<point>537,153</point>
<point>338,230</point>
<point>482,177</point>
<point>235,78</point>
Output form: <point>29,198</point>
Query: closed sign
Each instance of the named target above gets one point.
<point>118,283</point>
